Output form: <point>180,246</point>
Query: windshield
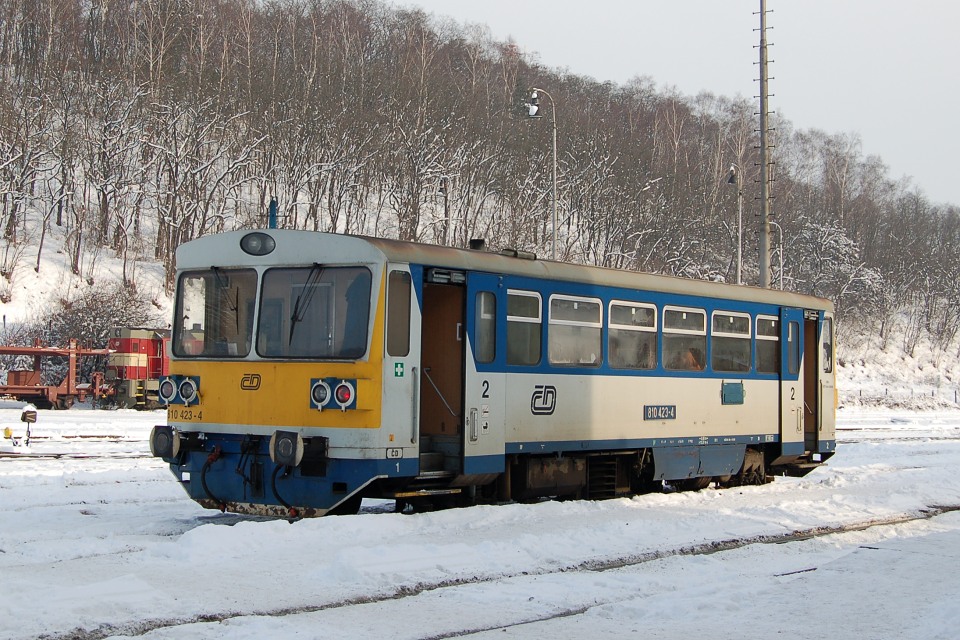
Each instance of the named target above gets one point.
<point>215,313</point>
<point>314,312</point>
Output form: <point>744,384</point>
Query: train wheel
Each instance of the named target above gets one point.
<point>692,484</point>
<point>639,486</point>
<point>752,472</point>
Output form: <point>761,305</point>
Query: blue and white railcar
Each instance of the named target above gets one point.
<point>310,370</point>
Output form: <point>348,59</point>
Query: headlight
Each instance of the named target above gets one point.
<point>319,394</point>
<point>167,391</point>
<point>257,244</point>
<point>188,390</point>
<point>344,395</point>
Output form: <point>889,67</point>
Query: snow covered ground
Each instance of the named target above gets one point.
<point>103,543</point>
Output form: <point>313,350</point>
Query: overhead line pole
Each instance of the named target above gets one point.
<point>765,256</point>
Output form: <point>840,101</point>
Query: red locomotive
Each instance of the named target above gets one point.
<point>137,360</point>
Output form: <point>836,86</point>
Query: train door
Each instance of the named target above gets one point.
<point>484,390</point>
<point>828,398</point>
<point>811,377</point>
<point>792,382</point>
<point>441,386</point>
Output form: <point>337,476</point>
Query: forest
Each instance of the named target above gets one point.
<point>137,125</point>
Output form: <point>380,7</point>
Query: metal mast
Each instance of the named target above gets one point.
<point>765,161</point>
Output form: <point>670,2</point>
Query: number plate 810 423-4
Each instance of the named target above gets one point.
<point>184,415</point>
<point>659,412</point>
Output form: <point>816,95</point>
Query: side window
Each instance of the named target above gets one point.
<point>768,344</point>
<point>486,327</point>
<point>524,319</point>
<point>793,347</point>
<point>632,337</point>
<point>684,338</point>
<point>575,326</point>
<point>398,313</point>
<point>730,341</point>
<point>826,340</point>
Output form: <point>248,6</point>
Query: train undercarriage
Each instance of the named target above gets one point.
<point>599,476</point>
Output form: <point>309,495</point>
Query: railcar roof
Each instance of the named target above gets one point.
<point>472,260</point>
<point>359,248</point>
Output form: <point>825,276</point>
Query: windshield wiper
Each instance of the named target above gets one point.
<point>309,288</point>
<point>223,283</point>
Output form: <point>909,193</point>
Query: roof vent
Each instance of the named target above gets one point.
<point>478,244</point>
<point>517,253</point>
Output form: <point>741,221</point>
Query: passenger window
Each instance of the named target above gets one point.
<point>575,327</point>
<point>730,342</point>
<point>684,339</point>
<point>398,313</point>
<point>827,349</point>
<point>793,347</point>
<point>524,321</point>
<point>768,344</point>
<point>486,327</point>
<point>632,337</point>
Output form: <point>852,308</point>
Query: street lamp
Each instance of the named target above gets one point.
<point>737,179</point>
<point>780,244</point>
<point>534,106</point>
<point>445,191</point>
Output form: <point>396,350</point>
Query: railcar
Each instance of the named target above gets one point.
<point>137,360</point>
<point>310,370</point>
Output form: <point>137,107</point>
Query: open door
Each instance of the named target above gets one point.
<point>811,377</point>
<point>441,386</point>
<point>792,382</point>
<point>828,384</point>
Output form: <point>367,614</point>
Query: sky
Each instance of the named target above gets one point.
<point>884,70</point>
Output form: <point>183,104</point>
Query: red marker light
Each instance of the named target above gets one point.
<point>343,394</point>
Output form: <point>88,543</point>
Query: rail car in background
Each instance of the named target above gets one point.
<point>310,370</point>
<point>28,384</point>
<point>137,360</point>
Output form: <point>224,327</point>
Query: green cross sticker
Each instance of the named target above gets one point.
<point>398,370</point>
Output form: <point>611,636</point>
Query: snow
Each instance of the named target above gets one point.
<point>101,542</point>
<point>98,547</point>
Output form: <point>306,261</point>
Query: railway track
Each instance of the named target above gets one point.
<point>44,452</point>
<point>405,592</point>
<point>70,455</point>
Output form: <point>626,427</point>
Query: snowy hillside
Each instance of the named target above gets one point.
<point>868,373</point>
<point>36,285</point>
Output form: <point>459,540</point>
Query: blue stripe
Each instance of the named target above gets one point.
<point>483,464</point>
<point>547,287</point>
<point>792,449</point>
<point>573,446</point>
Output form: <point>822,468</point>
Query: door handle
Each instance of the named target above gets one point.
<point>474,426</point>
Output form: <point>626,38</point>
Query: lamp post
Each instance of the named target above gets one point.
<point>780,250</point>
<point>534,106</point>
<point>737,179</point>
<point>445,190</point>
